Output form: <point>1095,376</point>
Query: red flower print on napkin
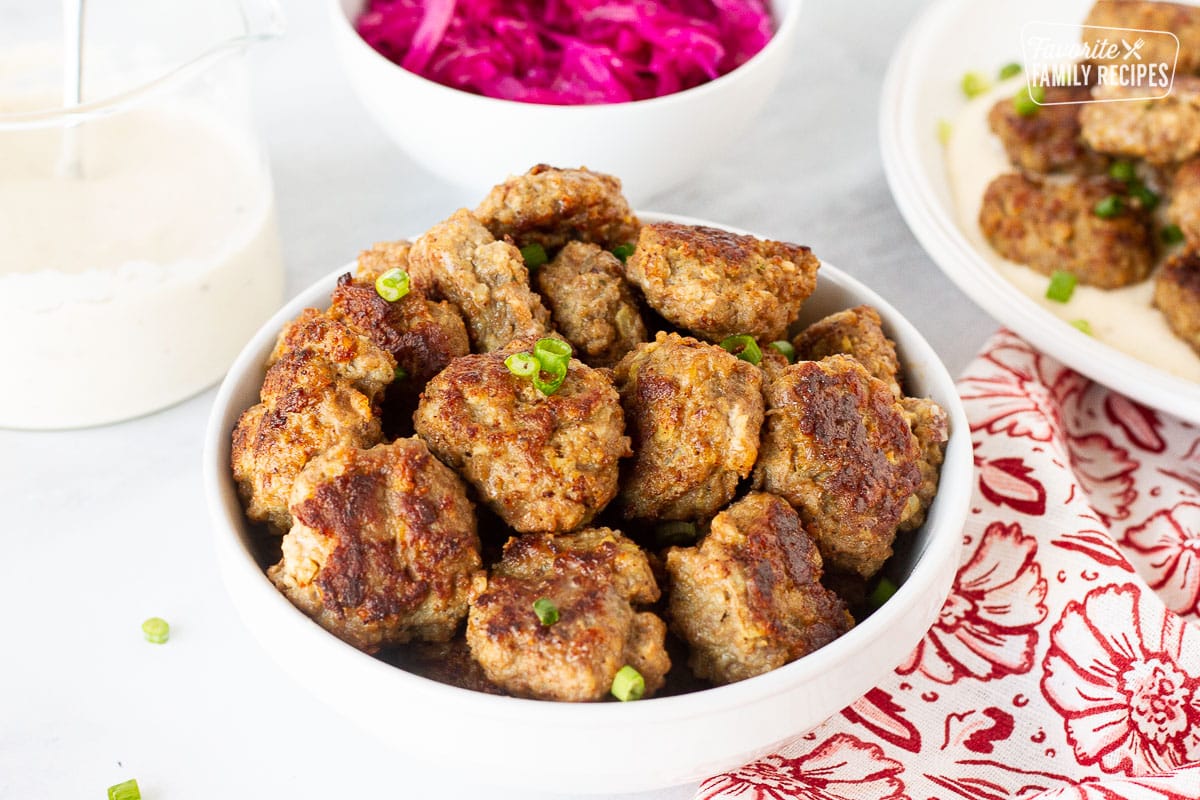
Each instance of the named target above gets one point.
<point>1125,677</point>
<point>1017,392</point>
<point>988,624</point>
<point>840,768</point>
<point>1166,552</point>
<point>1007,481</point>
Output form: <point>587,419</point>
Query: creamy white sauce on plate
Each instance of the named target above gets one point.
<point>1121,318</point>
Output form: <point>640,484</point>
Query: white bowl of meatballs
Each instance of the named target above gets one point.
<point>556,472</point>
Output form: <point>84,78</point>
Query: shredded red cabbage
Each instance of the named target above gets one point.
<point>567,52</point>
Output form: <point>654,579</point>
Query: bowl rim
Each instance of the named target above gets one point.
<point>928,560</point>
<point>782,37</point>
<point>939,233</point>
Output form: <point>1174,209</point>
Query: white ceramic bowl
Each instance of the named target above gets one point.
<point>606,747</point>
<point>468,139</point>
<point>949,39</point>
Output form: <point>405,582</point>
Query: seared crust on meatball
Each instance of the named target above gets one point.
<point>1048,140</point>
<point>1162,131</point>
<point>322,338</point>
<point>591,304</point>
<point>383,549</point>
<point>858,333</point>
<point>1181,20</point>
<point>717,284</point>
<point>1054,226</point>
<point>382,257</point>
<point>931,425</point>
<point>748,598</point>
<point>594,577</point>
<point>1185,200</point>
<point>694,414</point>
<point>484,279</point>
<point>550,207</point>
<point>542,463</point>
<point>837,447</point>
<point>1177,295</point>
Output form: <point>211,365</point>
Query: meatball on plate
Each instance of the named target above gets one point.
<point>512,535</point>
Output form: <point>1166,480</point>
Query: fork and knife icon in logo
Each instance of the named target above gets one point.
<point>1132,49</point>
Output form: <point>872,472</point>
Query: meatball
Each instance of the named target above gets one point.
<point>1185,200</point>
<point>594,578</point>
<point>837,447</point>
<point>1162,131</point>
<point>1181,20</point>
<point>1049,140</point>
<point>1054,226</point>
<point>931,426</point>
<point>591,304</point>
<point>1177,295</point>
<point>484,279</point>
<point>858,333</point>
<point>380,258</point>
<point>748,598</point>
<point>383,549</point>
<point>694,414</point>
<point>550,207</point>
<point>542,463</point>
<point>315,336</point>
<point>717,284</point>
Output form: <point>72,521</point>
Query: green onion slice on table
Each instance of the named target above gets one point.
<point>743,346</point>
<point>392,285</point>
<point>126,790</point>
<point>628,684</point>
<point>1010,70</point>
<point>156,630</point>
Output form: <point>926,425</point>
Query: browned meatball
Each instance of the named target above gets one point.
<point>542,463</point>
<point>837,447</point>
<point>858,333</point>
<point>382,257</point>
<point>322,388</point>
<point>1177,295</point>
<point>383,549</point>
<point>1054,226</point>
<point>717,284</point>
<point>594,578</point>
<point>931,426</point>
<point>591,304</point>
<point>694,414</point>
<point>1181,20</point>
<point>1185,200</point>
<point>1162,131</point>
<point>484,279</point>
<point>1048,140</point>
<point>550,207</point>
<point>748,598</point>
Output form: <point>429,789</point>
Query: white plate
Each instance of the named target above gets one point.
<point>595,747</point>
<point>949,39</point>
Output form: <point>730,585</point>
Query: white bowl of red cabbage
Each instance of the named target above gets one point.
<point>649,91</point>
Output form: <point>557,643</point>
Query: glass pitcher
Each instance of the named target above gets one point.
<point>138,242</point>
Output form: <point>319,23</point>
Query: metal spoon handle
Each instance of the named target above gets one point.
<point>70,162</point>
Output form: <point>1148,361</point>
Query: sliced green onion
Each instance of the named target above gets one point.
<point>156,630</point>
<point>401,373</point>
<point>1083,325</point>
<point>534,255</point>
<point>882,592</point>
<point>973,84</point>
<point>944,131</point>
<point>1172,234</point>
<point>547,612</point>
<point>785,349</point>
<point>551,353</point>
<point>743,346</point>
<point>1062,286</point>
<point>1010,70</point>
<point>628,684</point>
<point>392,285</point>
<point>1147,198</point>
<point>623,251</point>
<point>550,384</point>
<point>1109,207</point>
<point>523,365</point>
<point>676,532</point>
<point>127,790</point>
<point>1027,101</point>
<point>1122,170</point>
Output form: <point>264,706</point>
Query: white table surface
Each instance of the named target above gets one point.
<point>105,527</point>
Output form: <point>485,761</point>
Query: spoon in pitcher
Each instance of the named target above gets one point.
<point>70,161</point>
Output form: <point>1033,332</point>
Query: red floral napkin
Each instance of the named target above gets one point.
<point>1066,661</point>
